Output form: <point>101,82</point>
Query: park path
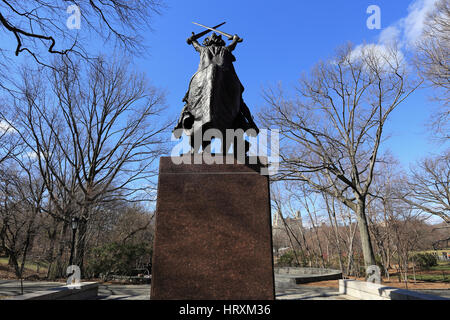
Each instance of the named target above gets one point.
<point>142,292</point>
<point>300,292</point>
<point>12,287</point>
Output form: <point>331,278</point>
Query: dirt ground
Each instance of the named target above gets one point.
<point>392,282</point>
<point>7,273</point>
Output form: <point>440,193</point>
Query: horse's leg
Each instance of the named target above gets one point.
<point>206,146</point>
<point>195,147</point>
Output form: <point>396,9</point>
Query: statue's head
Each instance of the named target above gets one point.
<point>215,40</point>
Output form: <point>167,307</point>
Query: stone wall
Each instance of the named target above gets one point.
<point>371,291</point>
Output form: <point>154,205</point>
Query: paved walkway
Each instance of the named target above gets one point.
<point>142,292</point>
<point>12,287</point>
<point>124,292</point>
<point>105,292</point>
<point>445,293</point>
<point>309,293</point>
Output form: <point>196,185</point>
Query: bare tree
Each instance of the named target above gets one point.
<point>40,27</point>
<point>22,194</point>
<point>287,235</point>
<point>330,203</point>
<point>407,232</point>
<point>349,238</point>
<point>433,63</point>
<point>309,201</point>
<point>10,144</point>
<point>428,187</point>
<point>96,134</point>
<point>335,125</point>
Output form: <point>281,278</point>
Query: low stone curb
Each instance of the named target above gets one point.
<point>82,291</point>
<point>372,291</point>
<point>287,277</point>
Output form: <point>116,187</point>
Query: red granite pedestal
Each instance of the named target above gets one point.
<point>213,238</point>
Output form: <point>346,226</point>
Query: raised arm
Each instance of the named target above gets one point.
<point>194,43</point>
<point>233,43</point>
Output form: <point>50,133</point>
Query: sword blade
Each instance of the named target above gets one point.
<point>229,36</point>
<point>201,34</point>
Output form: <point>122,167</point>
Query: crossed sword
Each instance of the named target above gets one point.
<point>201,34</point>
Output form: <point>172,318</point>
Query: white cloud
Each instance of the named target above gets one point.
<point>408,30</point>
<point>31,155</point>
<point>5,127</point>
<point>413,24</point>
<point>402,34</point>
<point>387,56</point>
<point>390,35</point>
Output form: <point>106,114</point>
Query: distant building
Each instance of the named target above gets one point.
<point>281,230</point>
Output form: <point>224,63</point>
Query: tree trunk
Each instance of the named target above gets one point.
<point>305,244</point>
<point>80,244</point>
<point>28,243</point>
<point>333,221</point>
<point>55,270</point>
<point>350,261</point>
<point>13,261</point>
<point>366,244</point>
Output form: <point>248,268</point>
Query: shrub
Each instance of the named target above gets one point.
<point>117,258</point>
<point>425,260</point>
<point>287,260</point>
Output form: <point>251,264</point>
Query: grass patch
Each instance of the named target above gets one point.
<point>431,278</point>
<point>442,266</point>
<point>439,273</point>
<point>32,266</point>
<point>438,252</point>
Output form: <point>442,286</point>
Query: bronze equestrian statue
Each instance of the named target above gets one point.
<point>214,98</point>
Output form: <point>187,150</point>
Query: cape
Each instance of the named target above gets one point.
<point>214,97</point>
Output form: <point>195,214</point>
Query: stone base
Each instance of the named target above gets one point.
<point>372,291</point>
<point>290,277</point>
<point>213,233</point>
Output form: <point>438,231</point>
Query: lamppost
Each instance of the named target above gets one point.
<point>74,231</point>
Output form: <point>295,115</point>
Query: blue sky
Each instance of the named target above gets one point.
<point>281,40</point>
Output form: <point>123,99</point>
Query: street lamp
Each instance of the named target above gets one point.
<point>74,231</point>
